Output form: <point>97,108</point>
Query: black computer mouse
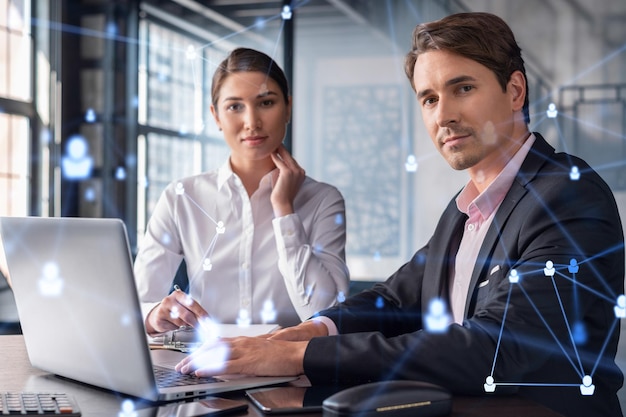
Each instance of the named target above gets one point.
<point>390,399</point>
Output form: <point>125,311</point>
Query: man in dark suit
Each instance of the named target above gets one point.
<point>517,289</point>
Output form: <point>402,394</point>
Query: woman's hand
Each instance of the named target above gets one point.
<point>287,180</point>
<point>176,310</point>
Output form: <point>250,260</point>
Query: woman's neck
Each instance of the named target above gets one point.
<point>251,172</point>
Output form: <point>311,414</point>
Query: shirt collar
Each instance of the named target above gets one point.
<point>225,172</point>
<point>486,202</point>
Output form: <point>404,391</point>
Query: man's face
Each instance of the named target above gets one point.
<point>467,115</point>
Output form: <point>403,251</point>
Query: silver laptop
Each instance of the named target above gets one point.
<point>79,310</point>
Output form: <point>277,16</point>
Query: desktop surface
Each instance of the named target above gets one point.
<point>16,374</point>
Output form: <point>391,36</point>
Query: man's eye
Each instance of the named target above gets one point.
<point>466,88</point>
<point>429,101</point>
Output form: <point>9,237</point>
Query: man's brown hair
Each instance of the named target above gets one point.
<point>482,37</point>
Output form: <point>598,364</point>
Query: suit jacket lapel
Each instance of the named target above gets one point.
<point>538,154</point>
<point>442,252</point>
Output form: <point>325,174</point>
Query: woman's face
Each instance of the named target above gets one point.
<point>253,115</point>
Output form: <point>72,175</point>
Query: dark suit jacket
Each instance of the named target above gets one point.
<point>542,334</point>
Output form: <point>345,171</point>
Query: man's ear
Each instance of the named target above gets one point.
<point>216,116</point>
<point>517,89</point>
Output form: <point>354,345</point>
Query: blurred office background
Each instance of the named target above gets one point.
<point>103,102</point>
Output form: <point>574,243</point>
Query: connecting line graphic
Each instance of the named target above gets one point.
<point>219,229</point>
<point>586,387</point>
<point>569,330</point>
<point>606,342</point>
<point>495,357</point>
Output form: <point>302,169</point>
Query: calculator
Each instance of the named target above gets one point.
<point>38,404</point>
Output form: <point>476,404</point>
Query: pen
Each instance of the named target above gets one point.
<point>177,288</point>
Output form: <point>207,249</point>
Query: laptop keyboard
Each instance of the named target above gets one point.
<point>169,378</point>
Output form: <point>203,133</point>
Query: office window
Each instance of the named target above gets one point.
<point>15,84</point>
<point>14,163</point>
<point>178,136</point>
<point>15,49</point>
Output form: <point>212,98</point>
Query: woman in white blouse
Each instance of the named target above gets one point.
<point>262,242</point>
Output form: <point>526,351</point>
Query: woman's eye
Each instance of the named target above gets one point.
<point>234,107</point>
<point>267,103</point>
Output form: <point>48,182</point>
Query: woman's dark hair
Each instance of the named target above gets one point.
<point>482,37</point>
<point>245,59</point>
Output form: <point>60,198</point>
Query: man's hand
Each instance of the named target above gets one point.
<point>287,180</point>
<point>246,355</point>
<point>303,332</point>
<point>176,310</point>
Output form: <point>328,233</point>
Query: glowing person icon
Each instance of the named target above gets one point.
<point>620,307</point>
<point>50,284</point>
<point>90,115</point>
<point>208,329</point>
<point>76,164</point>
<point>573,266</point>
<point>286,12</point>
<point>190,53</point>
<point>268,314</point>
<point>579,333</point>
<point>436,320</point>
<point>552,112</point>
<point>489,385</point>
<point>207,265</point>
<point>244,318</point>
<point>411,163</point>
<point>587,387</point>
<point>180,189</point>
<point>574,174</point>
<point>513,276</point>
<point>220,229</point>
<point>128,409</point>
<point>549,269</point>
<point>120,173</point>
<point>341,297</point>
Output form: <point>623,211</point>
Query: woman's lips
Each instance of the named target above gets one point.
<point>254,140</point>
